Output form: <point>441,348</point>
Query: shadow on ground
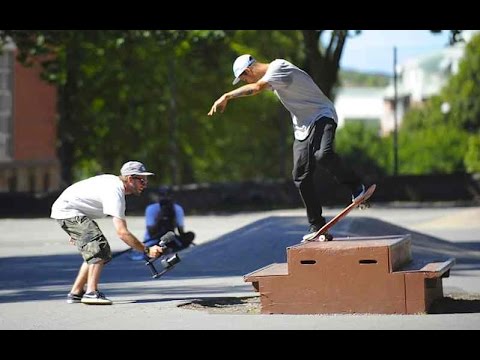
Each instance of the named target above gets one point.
<point>457,304</point>
<point>234,254</point>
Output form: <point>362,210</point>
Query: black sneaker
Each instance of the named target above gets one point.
<point>360,191</point>
<point>95,298</point>
<point>74,298</point>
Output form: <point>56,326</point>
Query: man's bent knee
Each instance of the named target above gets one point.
<point>96,251</point>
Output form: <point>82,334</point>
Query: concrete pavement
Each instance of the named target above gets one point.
<point>37,268</point>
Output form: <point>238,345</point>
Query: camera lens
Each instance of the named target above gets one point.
<point>170,261</point>
<point>173,260</point>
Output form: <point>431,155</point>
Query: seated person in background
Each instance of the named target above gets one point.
<point>161,217</point>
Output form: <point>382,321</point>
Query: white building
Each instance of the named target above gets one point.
<point>418,79</point>
<point>360,104</point>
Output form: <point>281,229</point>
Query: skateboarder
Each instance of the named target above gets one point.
<point>92,198</point>
<point>314,123</point>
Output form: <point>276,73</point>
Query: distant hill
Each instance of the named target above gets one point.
<point>349,78</point>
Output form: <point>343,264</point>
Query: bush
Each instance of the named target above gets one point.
<point>472,156</point>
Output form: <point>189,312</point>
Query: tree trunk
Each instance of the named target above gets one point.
<point>66,123</point>
<point>323,63</point>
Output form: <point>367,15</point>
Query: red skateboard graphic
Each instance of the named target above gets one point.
<point>321,235</point>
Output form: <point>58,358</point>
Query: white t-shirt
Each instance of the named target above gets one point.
<point>95,197</point>
<point>299,94</point>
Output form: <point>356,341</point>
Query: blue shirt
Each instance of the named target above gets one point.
<point>152,211</point>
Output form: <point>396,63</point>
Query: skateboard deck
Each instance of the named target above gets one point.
<point>320,235</point>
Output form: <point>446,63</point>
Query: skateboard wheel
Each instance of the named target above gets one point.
<point>325,237</point>
<point>364,206</point>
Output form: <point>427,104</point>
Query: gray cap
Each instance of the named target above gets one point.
<point>134,168</point>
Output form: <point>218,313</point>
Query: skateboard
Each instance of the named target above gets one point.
<point>322,235</point>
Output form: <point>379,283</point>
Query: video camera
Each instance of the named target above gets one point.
<point>168,243</point>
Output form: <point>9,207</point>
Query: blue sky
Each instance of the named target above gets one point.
<point>372,50</point>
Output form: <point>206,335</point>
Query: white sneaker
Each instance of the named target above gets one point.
<point>95,298</point>
<point>312,232</point>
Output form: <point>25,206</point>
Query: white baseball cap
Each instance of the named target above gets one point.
<point>240,64</point>
<point>134,168</point>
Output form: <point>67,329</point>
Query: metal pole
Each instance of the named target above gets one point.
<point>395,120</point>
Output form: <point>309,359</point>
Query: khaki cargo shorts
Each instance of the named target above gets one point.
<point>88,238</point>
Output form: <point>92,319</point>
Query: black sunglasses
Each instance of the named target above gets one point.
<point>143,181</point>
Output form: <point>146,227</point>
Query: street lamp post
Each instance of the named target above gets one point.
<point>395,121</point>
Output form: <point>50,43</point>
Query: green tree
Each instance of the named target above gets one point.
<point>463,90</point>
<point>429,142</point>
<point>75,62</point>
<point>436,150</point>
<point>436,141</point>
<point>322,60</point>
<point>355,78</point>
<point>116,89</point>
<point>145,93</point>
<point>362,148</point>
<point>472,155</point>
<point>425,117</point>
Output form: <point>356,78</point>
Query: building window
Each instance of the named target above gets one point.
<point>6,105</point>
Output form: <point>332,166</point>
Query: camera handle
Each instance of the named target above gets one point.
<point>149,263</point>
<point>167,264</point>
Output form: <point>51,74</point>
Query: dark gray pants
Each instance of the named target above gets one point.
<point>318,150</point>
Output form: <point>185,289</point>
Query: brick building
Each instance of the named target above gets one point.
<point>28,114</point>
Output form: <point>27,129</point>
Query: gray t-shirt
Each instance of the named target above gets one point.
<point>95,197</point>
<point>299,94</point>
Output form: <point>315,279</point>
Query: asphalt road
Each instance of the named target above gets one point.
<point>38,266</point>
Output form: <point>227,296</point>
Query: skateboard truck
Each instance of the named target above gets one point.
<point>364,205</point>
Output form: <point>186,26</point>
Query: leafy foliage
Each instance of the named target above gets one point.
<point>463,90</point>
<point>472,156</point>
<point>436,142</point>
<point>145,94</point>
<point>355,78</point>
<point>362,148</point>
<point>436,150</point>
